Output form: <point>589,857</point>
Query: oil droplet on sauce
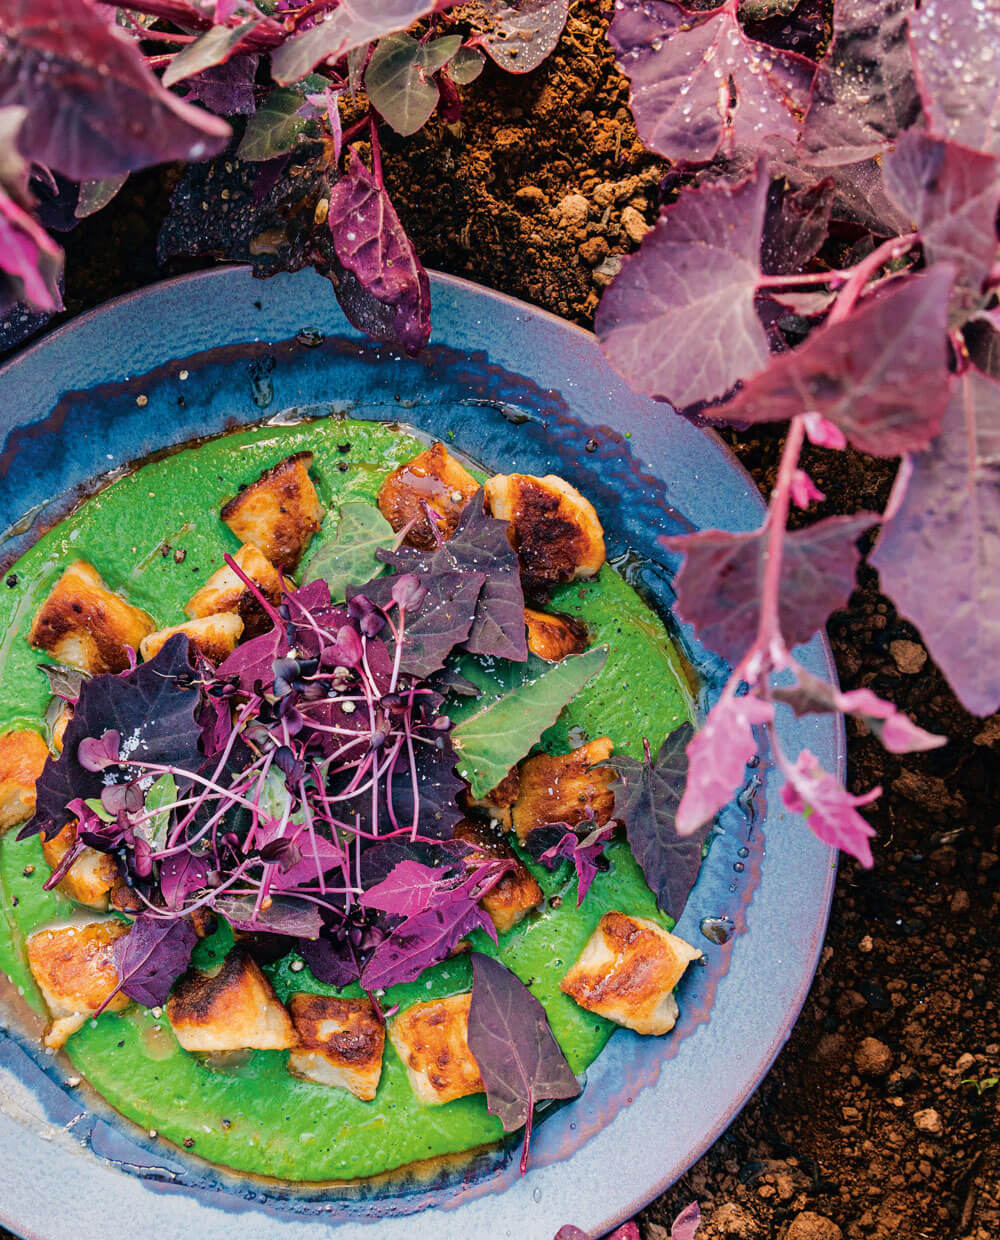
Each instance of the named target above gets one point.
<point>718,929</point>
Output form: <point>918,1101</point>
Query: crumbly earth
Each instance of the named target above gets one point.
<point>879,1120</point>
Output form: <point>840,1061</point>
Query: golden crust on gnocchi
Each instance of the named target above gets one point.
<point>628,971</point>
<point>339,1042</point>
<point>553,528</point>
<point>517,893</point>
<point>432,1040</point>
<point>553,636</point>
<point>565,788</point>
<point>215,637</point>
<point>225,591</point>
<point>91,876</point>
<point>75,972</point>
<point>232,1009</point>
<point>433,478</point>
<point>22,756</point>
<point>496,804</point>
<point>279,512</point>
<point>84,624</point>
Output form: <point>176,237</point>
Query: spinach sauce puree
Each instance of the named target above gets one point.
<point>156,535</point>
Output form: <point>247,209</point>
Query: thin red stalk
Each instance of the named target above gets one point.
<point>376,151</point>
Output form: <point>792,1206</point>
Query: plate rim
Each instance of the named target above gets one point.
<point>621,1209</point>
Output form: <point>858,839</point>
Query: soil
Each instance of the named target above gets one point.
<point>880,1118</point>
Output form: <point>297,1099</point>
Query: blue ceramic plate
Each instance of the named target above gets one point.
<point>519,390</point>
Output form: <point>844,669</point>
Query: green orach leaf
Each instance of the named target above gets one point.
<point>348,557</point>
<point>161,794</point>
<point>213,48</point>
<point>274,128</point>
<point>489,742</point>
<point>399,78</point>
<point>466,65</point>
<point>95,804</point>
<point>97,194</point>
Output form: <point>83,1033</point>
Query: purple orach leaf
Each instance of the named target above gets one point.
<point>679,62</point>
<point>427,937</point>
<point>30,261</point>
<point>519,1059</point>
<point>181,875</point>
<point>437,624</point>
<point>94,108</point>
<point>898,733</point>
<point>881,374</point>
<point>479,545</point>
<point>297,919</point>
<point>519,34</point>
<point>679,322</point>
<point>152,956</point>
<point>584,852</point>
<point>330,961</point>
<point>865,92</point>
<point>685,1226</point>
<point>253,661</point>
<point>956,46</point>
<point>347,27</point>
<point>371,243</point>
<point>937,556</point>
<point>569,1231</point>
<point>228,89</point>
<point>316,856</point>
<point>437,790</point>
<point>830,810</point>
<point>409,888</point>
<point>96,753</point>
<point>804,491</point>
<point>718,756</point>
<point>647,798</point>
<point>720,582</point>
<point>153,708</point>
<point>951,195</point>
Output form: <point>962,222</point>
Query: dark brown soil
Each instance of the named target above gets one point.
<point>880,1119</point>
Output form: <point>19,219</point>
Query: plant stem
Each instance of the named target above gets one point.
<point>858,276</point>
<point>769,638</point>
<point>376,150</point>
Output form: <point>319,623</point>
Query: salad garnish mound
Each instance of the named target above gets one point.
<point>312,767</point>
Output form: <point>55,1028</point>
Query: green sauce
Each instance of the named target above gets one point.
<point>255,1117</point>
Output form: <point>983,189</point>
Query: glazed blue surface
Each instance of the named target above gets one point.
<point>519,390</point>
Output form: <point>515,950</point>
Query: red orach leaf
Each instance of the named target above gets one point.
<point>881,374</point>
<point>681,65</point>
<point>519,1059</point>
<point>79,77</point>
<point>830,810</point>
<point>372,244</point>
<point>718,756</point>
<point>719,584</point>
<point>956,45</point>
<point>865,92</point>
<point>938,556</point>
<point>951,195</point>
<point>30,261</point>
<point>647,798</point>
<point>898,733</point>
<point>679,321</point>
